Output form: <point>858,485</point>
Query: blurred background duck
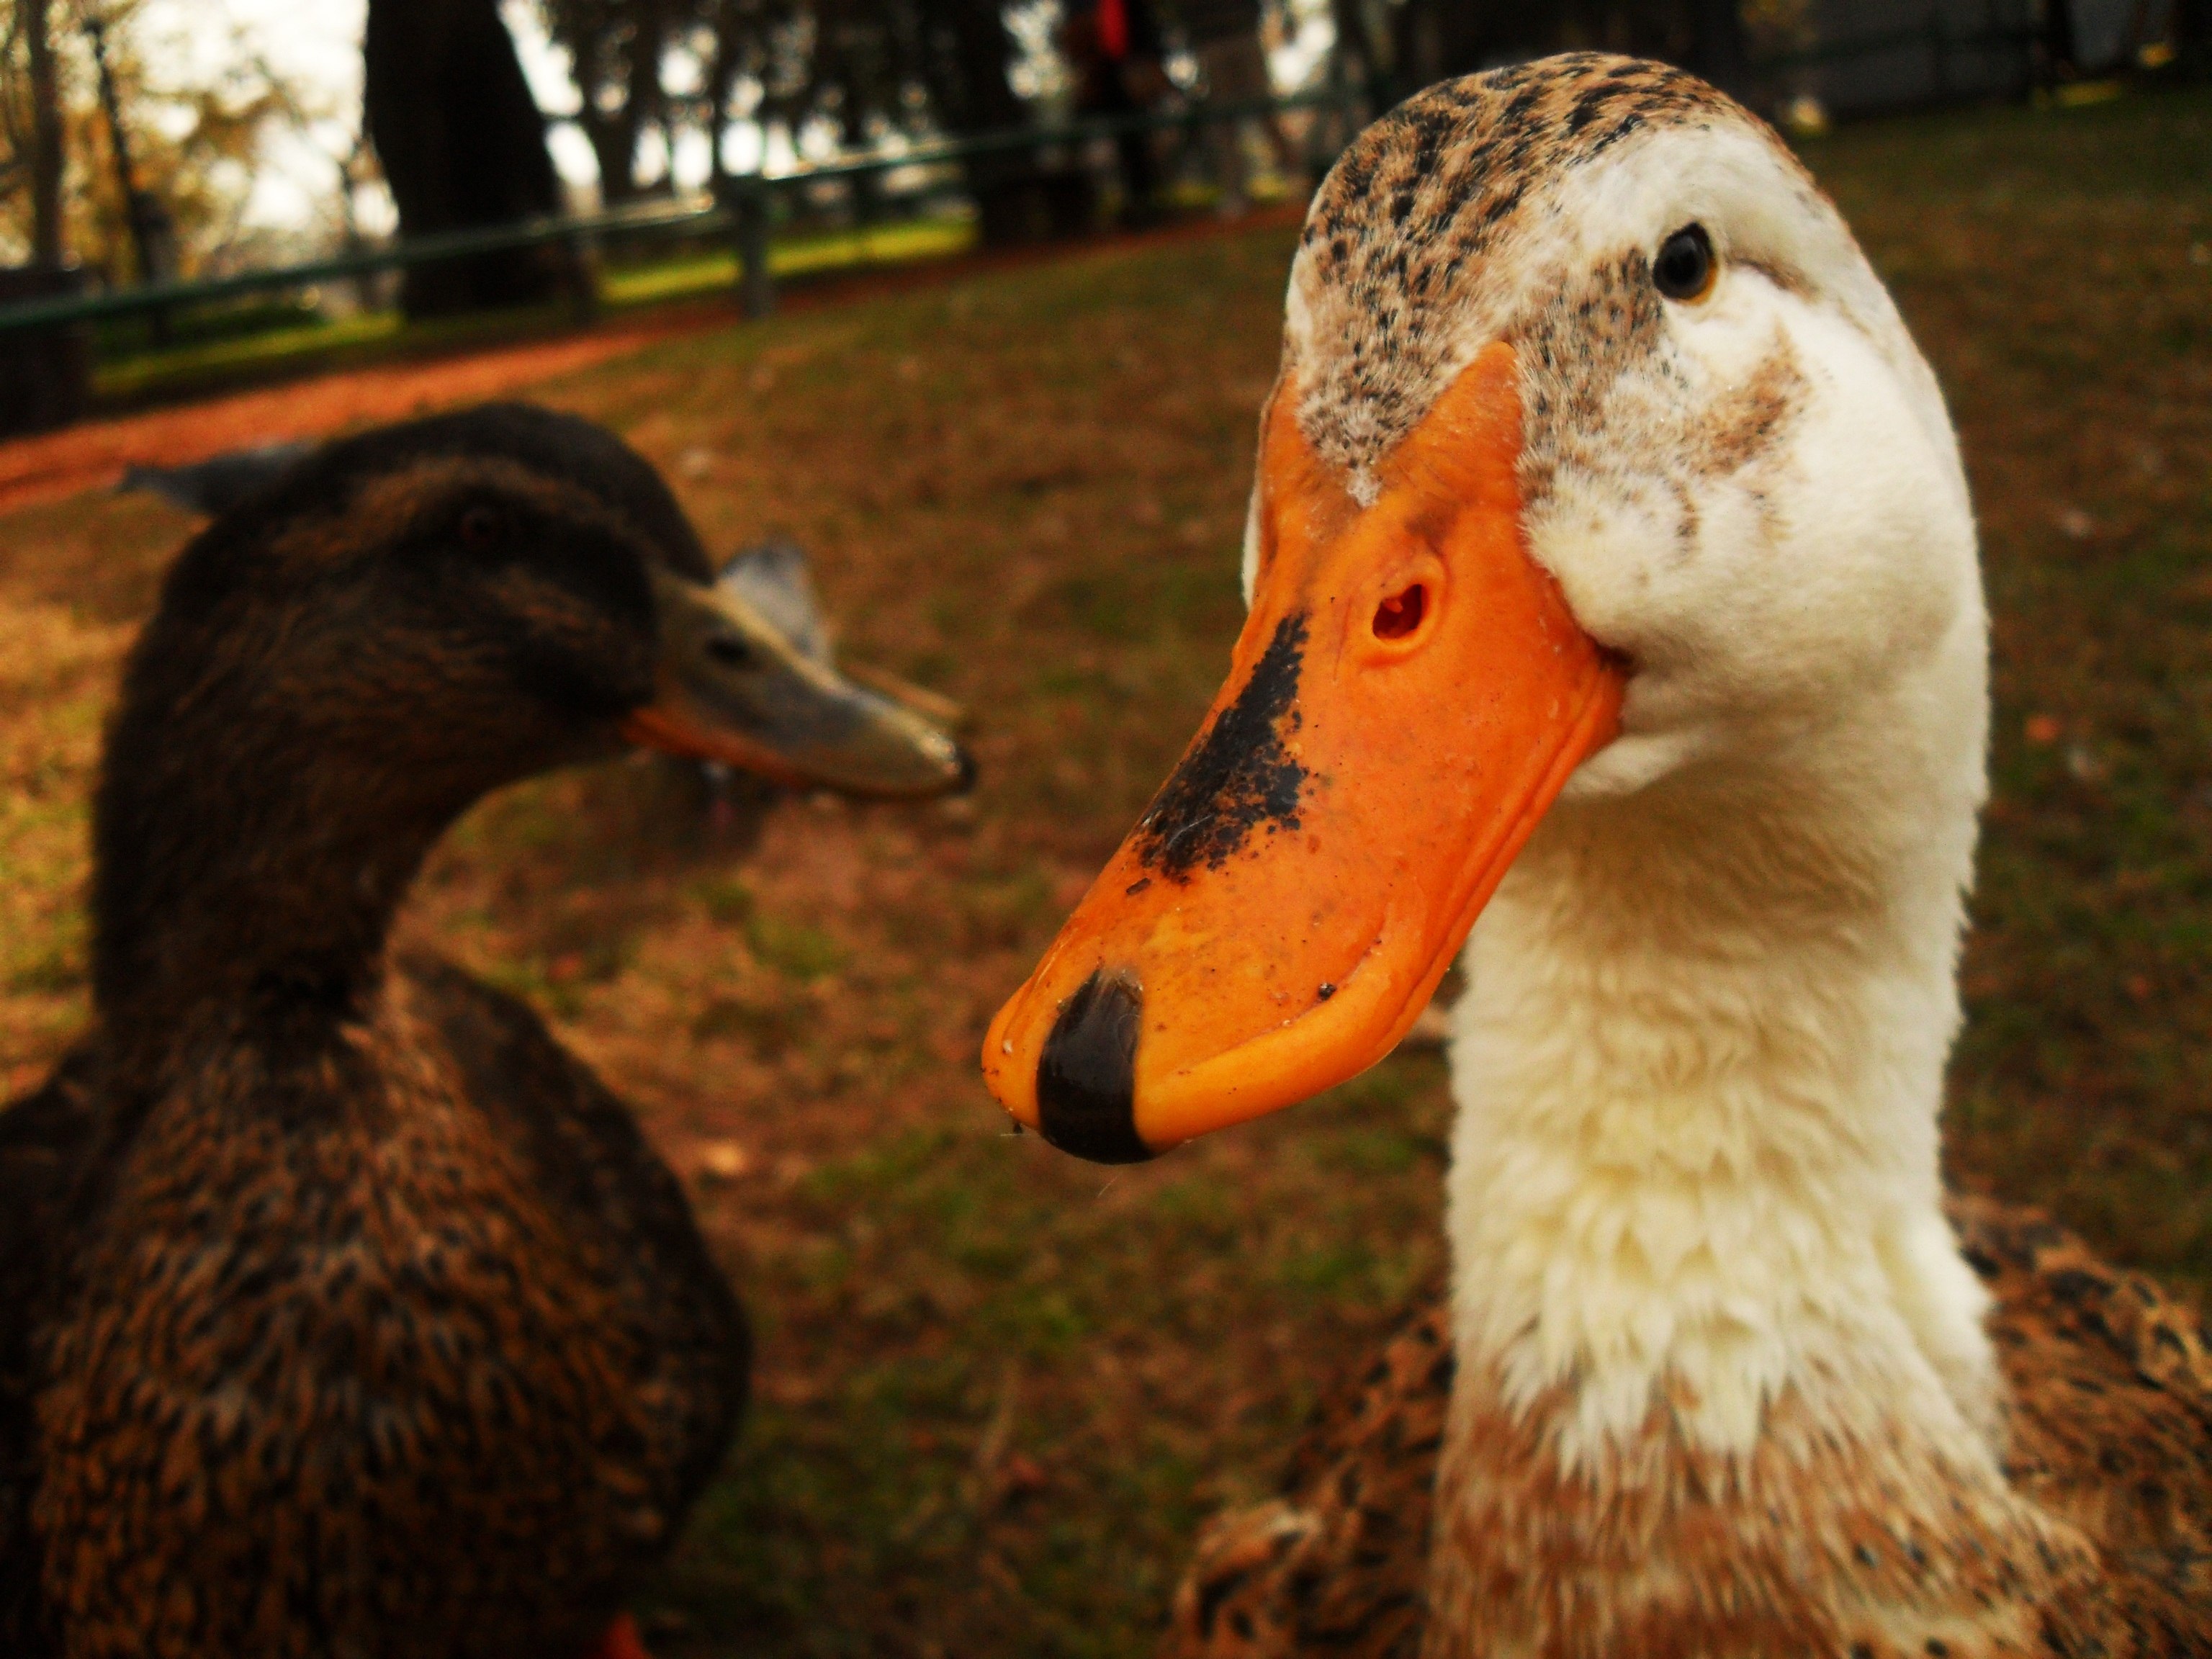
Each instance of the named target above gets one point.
<point>1613,579</point>
<point>341,1310</point>
<point>214,486</point>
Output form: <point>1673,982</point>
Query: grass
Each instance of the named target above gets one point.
<point>138,373</point>
<point>697,274</point>
<point>997,1389</point>
<point>364,338</point>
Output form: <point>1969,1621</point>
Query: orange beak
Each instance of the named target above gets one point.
<point>1409,695</point>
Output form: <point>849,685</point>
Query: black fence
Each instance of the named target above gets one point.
<point>744,217</point>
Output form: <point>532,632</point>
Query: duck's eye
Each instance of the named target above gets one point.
<point>1684,268</point>
<point>482,527</point>
<point>730,651</point>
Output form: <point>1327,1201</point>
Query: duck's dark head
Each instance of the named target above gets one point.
<point>413,618</point>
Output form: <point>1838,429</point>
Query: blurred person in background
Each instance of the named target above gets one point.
<point>1225,38</point>
<point>1115,48</point>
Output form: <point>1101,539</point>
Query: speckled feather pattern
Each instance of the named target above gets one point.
<point>431,1364</point>
<point>1396,282</point>
<point>1819,1547</point>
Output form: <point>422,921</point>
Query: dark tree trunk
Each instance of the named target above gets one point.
<point>1369,46</point>
<point>976,95</point>
<point>1016,200</point>
<point>1435,40</point>
<point>45,381</point>
<point>614,133</point>
<point>729,44</point>
<point>2192,35</point>
<point>1717,51</point>
<point>47,249</point>
<point>2060,53</point>
<point>463,146</point>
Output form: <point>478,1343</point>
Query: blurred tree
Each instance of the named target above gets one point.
<point>45,377</point>
<point>861,67</point>
<point>153,234</point>
<point>765,43</point>
<point>967,53</point>
<point>462,145</point>
<point>33,120</point>
<point>615,48</point>
<point>194,148</point>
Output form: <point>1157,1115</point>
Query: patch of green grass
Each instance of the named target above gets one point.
<point>963,1293</point>
<point>49,966</point>
<point>125,376</point>
<point>795,949</point>
<point>727,898</point>
<point>801,254</point>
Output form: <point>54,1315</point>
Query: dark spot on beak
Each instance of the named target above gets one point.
<point>1087,1075</point>
<point>1326,991</point>
<point>1237,776</point>
<point>964,782</point>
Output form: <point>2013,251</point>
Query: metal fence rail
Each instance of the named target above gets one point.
<point>743,215</point>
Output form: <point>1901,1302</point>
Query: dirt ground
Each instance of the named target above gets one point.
<point>998,1390</point>
<point>53,466</point>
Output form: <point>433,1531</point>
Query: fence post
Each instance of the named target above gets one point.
<point>582,252</point>
<point>756,283</point>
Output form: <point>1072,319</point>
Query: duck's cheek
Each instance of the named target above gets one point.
<point>1635,760</point>
<point>1865,574</point>
<point>1616,547</point>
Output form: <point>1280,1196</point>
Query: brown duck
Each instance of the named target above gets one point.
<point>342,1312</point>
<point>1616,616</point>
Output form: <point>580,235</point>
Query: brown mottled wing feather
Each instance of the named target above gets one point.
<point>459,1364</point>
<point>2109,1413</point>
<point>589,1149</point>
<point>2108,1385</point>
<point>1340,1564</point>
<point>45,1140</point>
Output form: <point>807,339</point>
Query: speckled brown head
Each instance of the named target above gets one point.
<point>1597,450</point>
<point>339,666</point>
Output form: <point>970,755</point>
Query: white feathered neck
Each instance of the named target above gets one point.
<point>1698,1071</point>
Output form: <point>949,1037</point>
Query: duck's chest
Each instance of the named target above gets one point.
<point>354,1370</point>
<point>1857,1540</point>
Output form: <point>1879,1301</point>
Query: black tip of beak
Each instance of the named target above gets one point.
<point>1087,1076</point>
<point>964,784</point>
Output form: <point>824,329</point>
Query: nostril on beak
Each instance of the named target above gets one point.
<point>729,650</point>
<point>1401,613</point>
<point>964,764</point>
<point>1087,1076</point>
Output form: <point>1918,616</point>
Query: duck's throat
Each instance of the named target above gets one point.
<point>227,892</point>
<point>1695,1170</point>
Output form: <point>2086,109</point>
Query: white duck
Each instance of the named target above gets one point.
<point>1613,576</point>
